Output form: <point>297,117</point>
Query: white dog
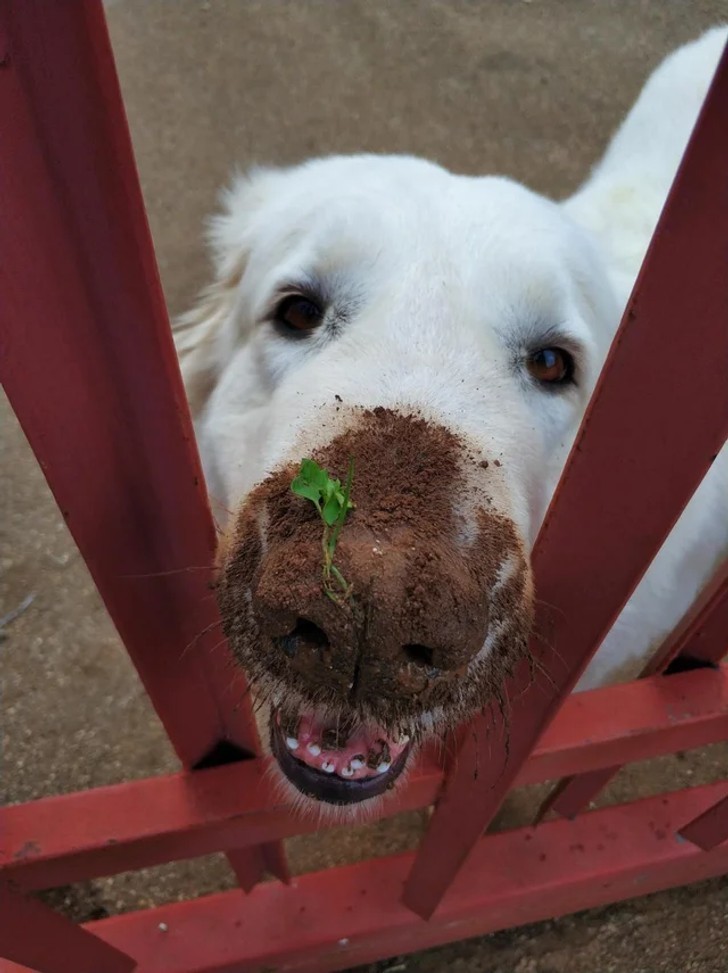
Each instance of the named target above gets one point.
<point>443,334</point>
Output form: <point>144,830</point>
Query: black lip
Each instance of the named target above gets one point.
<point>330,787</point>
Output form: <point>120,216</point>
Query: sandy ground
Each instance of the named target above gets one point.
<point>530,89</point>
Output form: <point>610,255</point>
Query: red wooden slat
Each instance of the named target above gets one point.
<point>633,721</point>
<point>87,360</point>
<point>648,438</point>
<point>342,917</point>
<point>66,839</point>
<point>710,828</point>
<point>39,938</point>
<point>702,635</point>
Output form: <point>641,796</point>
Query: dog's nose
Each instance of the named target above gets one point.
<point>409,617</point>
<point>399,605</point>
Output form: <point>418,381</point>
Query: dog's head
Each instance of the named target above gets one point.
<point>440,336</point>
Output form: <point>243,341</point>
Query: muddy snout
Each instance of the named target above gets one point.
<point>420,568</point>
<point>415,615</point>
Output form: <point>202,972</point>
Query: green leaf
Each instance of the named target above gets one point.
<point>302,488</point>
<point>349,482</point>
<point>312,472</point>
<point>308,469</point>
<point>312,483</point>
<point>345,505</point>
<point>331,511</point>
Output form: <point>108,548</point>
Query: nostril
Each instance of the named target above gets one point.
<point>303,635</point>
<point>421,655</point>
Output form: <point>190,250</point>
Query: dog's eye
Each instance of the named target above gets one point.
<point>298,313</point>
<point>552,366</point>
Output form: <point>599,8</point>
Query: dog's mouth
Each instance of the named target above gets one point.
<point>333,763</point>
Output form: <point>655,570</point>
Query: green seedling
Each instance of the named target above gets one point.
<point>333,503</point>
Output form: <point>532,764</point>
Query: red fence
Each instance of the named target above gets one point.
<point>88,363</point>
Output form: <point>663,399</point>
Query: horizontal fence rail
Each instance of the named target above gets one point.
<point>345,916</point>
<point>70,838</point>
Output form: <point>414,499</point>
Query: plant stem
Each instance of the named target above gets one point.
<point>329,540</point>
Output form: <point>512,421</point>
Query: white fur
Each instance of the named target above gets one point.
<point>440,285</point>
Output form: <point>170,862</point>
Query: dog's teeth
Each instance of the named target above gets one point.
<point>328,767</point>
<point>404,739</point>
<point>292,743</point>
<point>346,771</point>
<point>314,749</point>
<point>383,767</point>
<point>356,764</point>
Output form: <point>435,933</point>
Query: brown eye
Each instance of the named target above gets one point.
<point>552,366</point>
<point>298,313</point>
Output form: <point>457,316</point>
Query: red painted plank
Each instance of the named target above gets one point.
<point>703,635</point>
<point>108,830</point>
<point>88,363</point>
<point>39,938</point>
<point>634,721</point>
<point>710,828</point>
<point>649,436</point>
<point>79,836</point>
<point>342,917</point>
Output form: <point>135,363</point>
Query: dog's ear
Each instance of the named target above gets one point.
<point>206,336</point>
<point>198,334</point>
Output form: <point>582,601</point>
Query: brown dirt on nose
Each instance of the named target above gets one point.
<point>408,486</point>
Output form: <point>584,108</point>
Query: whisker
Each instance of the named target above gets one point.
<point>165,574</point>
<point>200,635</point>
<point>543,639</point>
<point>547,604</point>
<point>219,504</point>
<point>244,696</point>
<point>538,667</point>
<point>217,645</point>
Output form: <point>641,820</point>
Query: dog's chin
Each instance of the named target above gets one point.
<point>336,770</point>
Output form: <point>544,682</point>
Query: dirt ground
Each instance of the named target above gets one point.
<point>529,89</point>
